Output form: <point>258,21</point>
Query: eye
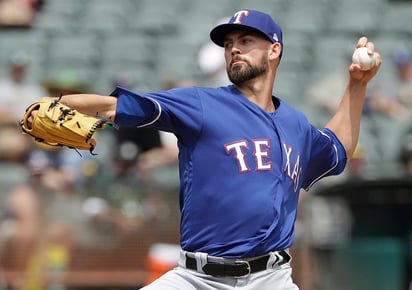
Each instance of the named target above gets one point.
<point>227,45</point>
<point>246,40</point>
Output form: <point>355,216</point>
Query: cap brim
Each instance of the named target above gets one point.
<point>218,34</point>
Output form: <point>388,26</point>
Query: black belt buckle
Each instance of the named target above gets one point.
<point>248,268</point>
<point>237,269</point>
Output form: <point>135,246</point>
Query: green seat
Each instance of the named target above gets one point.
<point>128,49</point>
<point>397,18</point>
<point>78,52</point>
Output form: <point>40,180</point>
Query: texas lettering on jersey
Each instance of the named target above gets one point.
<point>260,149</point>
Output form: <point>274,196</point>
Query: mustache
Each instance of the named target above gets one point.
<point>237,58</point>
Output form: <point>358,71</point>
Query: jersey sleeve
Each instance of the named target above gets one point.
<point>133,110</point>
<point>178,111</point>
<point>327,157</point>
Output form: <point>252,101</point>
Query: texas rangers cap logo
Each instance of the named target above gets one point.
<point>257,21</point>
<point>237,17</point>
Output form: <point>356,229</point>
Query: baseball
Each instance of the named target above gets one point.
<point>365,60</point>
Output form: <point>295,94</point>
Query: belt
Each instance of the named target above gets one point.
<point>237,268</point>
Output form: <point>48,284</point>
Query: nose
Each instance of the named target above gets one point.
<point>235,50</point>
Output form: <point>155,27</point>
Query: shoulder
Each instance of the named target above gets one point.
<point>188,91</point>
<point>289,112</point>
<point>203,92</point>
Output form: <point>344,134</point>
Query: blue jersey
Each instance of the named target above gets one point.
<point>241,168</point>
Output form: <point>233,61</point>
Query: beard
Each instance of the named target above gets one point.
<point>242,73</point>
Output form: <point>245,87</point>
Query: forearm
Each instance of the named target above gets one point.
<point>92,104</point>
<point>346,121</point>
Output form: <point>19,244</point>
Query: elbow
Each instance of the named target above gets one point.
<point>356,151</point>
<point>109,113</point>
<point>109,107</point>
<point>351,148</point>
<point>349,154</point>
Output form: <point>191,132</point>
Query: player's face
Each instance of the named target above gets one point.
<point>246,56</point>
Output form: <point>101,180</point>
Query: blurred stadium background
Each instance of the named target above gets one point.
<point>151,40</point>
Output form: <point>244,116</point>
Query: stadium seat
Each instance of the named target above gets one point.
<point>275,7</point>
<point>72,8</point>
<point>396,18</point>
<point>128,49</point>
<point>297,53</point>
<point>214,8</point>
<point>82,48</point>
<point>155,17</point>
<point>289,86</point>
<point>179,59</point>
<point>363,21</point>
<point>106,16</point>
<point>305,16</point>
<point>59,16</point>
<point>141,79</point>
<point>77,53</point>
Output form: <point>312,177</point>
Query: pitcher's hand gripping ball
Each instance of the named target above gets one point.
<point>365,60</point>
<point>56,124</point>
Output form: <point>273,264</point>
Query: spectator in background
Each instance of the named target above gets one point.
<point>143,150</point>
<point>405,154</point>
<point>154,158</point>
<point>21,224</point>
<point>133,142</point>
<point>212,64</point>
<point>25,230</point>
<point>402,59</point>
<point>16,91</point>
<point>394,97</point>
<point>325,93</point>
<point>14,147</point>
<point>18,13</point>
<point>65,82</point>
<point>48,218</point>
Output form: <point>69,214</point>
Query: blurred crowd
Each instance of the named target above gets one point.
<point>54,200</point>
<point>18,13</point>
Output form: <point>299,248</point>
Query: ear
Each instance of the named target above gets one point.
<point>275,51</point>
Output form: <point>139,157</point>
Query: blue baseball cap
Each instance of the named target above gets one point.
<point>256,21</point>
<point>402,57</point>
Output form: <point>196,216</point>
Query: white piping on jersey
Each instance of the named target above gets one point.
<point>333,167</point>
<point>158,115</point>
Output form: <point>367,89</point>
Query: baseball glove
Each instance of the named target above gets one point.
<point>56,124</point>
